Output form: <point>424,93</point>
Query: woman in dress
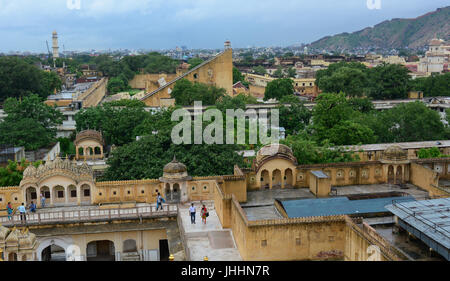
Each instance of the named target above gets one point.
<point>204,214</point>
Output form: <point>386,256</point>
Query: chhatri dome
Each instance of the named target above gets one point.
<point>174,171</point>
<point>276,149</point>
<point>395,153</point>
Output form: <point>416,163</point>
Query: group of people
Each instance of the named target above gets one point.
<point>22,210</point>
<point>192,211</point>
<point>203,213</point>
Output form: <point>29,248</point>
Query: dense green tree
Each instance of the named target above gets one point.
<point>432,152</point>
<point>12,174</point>
<point>18,78</point>
<point>279,88</point>
<point>293,117</point>
<point>363,105</point>
<point>260,70</point>
<point>389,81</point>
<point>433,86</point>
<point>407,122</point>
<point>308,152</point>
<point>186,92</point>
<point>116,85</point>
<point>29,123</point>
<point>116,123</point>
<point>237,76</point>
<point>351,81</point>
<point>194,62</point>
<point>278,73</point>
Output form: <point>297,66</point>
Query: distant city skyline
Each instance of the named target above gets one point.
<point>25,25</point>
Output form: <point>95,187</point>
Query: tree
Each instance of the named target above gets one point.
<point>351,81</point>
<point>408,122</point>
<point>432,152</point>
<point>260,70</point>
<point>292,73</point>
<point>335,121</point>
<point>19,78</point>
<point>389,81</point>
<point>146,158</point>
<point>308,152</point>
<point>116,123</point>
<point>433,86</point>
<point>295,117</point>
<point>279,88</point>
<point>278,73</point>
<point>185,93</point>
<point>29,123</point>
<point>238,77</point>
<point>12,174</point>
<point>194,62</point>
<point>116,85</point>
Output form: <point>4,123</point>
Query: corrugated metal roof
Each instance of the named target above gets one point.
<point>431,217</point>
<point>338,206</point>
<point>319,174</point>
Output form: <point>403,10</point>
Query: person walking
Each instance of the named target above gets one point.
<point>204,213</point>
<point>23,213</point>
<point>42,200</point>
<point>10,210</point>
<point>192,213</point>
<point>159,201</point>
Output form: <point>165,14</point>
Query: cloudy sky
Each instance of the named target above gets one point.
<point>25,25</point>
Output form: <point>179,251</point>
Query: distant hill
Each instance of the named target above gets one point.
<point>396,33</point>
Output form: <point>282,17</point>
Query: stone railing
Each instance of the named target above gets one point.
<point>75,216</point>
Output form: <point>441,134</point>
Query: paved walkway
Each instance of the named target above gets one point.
<point>208,239</point>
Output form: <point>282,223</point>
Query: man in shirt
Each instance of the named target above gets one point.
<point>192,212</point>
<point>23,212</point>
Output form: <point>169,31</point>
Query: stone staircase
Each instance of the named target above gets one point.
<point>132,256</point>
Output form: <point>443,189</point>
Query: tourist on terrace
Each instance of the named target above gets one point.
<point>10,210</point>
<point>159,201</point>
<point>204,214</point>
<point>23,213</point>
<point>42,200</point>
<point>32,207</point>
<point>192,213</point>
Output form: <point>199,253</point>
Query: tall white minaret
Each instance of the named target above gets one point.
<point>55,45</point>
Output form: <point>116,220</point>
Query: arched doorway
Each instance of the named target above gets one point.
<point>72,193</point>
<point>168,192</point>
<point>276,179</point>
<point>53,253</point>
<point>176,193</point>
<point>30,195</point>
<point>265,180</point>
<point>391,175</point>
<point>399,175</point>
<point>288,178</point>
<point>45,190</point>
<point>12,257</point>
<point>59,194</point>
<point>85,194</point>
<point>100,251</point>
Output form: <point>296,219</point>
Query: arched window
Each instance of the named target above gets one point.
<point>129,246</point>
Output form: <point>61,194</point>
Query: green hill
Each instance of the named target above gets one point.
<point>395,33</point>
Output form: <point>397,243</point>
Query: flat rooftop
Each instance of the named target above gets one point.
<point>338,206</point>
<point>428,220</point>
<point>260,203</point>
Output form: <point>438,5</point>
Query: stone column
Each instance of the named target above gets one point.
<point>282,178</point>
<point>38,199</point>
<point>101,152</point>
<point>51,195</point>
<point>78,195</point>
<point>66,193</point>
<point>270,179</point>
<point>77,155</point>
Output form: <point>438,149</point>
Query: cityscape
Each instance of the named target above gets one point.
<point>336,148</point>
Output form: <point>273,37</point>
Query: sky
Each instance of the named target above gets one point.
<point>25,25</point>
